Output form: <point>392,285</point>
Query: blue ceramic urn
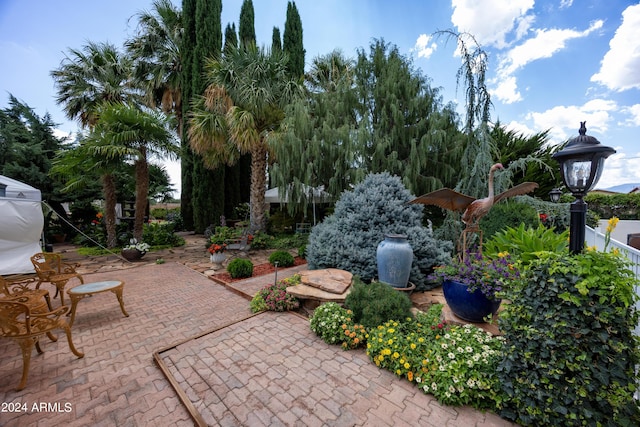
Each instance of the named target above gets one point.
<point>394,256</point>
<point>470,306</point>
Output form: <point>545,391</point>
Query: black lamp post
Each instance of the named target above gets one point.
<point>555,194</point>
<point>581,163</point>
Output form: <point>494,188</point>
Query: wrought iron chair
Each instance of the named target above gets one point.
<point>50,268</point>
<point>10,289</point>
<point>19,323</point>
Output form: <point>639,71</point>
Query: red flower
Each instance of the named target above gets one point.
<point>217,248</point>
<point>543,217</point>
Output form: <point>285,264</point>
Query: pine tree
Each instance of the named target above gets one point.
<point>292,43</point>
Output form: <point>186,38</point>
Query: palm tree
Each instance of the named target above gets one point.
<point>92,75</point>
<point>127,132</point>
<point>82,164</point>
<point>155,51</point>
<point>244,103</point>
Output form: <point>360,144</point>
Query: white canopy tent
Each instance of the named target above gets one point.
<point>21,223</point>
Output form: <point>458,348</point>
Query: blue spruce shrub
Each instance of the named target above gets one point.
<point>348,239</point>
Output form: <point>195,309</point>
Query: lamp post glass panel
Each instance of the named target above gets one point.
<point>555,195</point>
<point>581,163</point>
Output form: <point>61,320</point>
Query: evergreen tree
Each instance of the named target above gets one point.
<point>230,38</point>
<point>247,28</point>
<point>187,156</point>
<point>292,43</point>
<point>205,32</point>
<point>276,42</point>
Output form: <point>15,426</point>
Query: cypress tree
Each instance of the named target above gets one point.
<point>276,43</point>
<point>230,38</point>
<point>247,24</point>
<point>187,156</point>
<point>292,43</point>
<point>246,37</point>
<point>207,195</point>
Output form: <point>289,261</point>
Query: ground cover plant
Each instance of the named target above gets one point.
<point>570,354</point>
<point>275,297</point>
<point>335,325</point>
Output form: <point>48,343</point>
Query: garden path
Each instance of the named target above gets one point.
<point>235,368</point>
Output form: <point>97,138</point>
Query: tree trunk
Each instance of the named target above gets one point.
<point>142,192</point>
<point>109,190</point>
<point>258,185</point>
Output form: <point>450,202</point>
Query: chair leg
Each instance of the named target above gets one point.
<point>46,297</point>
<point>26,345</point>
<point>67,330</point>
<point>52,337</point>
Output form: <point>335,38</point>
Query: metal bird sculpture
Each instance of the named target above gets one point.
<point>473,209</point>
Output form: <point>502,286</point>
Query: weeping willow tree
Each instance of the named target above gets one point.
<point>481,148</point>
<point>374,114</point>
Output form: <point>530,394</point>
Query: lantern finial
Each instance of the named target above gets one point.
<point>583,128</point>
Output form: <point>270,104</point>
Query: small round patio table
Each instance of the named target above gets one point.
<point>81,291</point>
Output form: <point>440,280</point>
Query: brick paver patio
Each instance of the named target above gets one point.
<point>267,369</point>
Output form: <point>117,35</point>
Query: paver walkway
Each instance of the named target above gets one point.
<point>267,369</point>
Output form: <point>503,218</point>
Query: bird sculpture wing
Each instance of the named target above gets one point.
<point>446,199</point>
<point>524,188</point>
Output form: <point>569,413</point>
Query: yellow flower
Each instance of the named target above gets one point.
<point>407,365</point>
<point>413,346</point>
<point>396,355</point>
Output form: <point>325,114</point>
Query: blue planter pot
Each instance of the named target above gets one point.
<point>394,256</point>
<point>469,306</point>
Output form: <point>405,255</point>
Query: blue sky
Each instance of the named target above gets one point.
<point>552,64</point>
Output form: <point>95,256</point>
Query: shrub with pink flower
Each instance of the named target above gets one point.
<point>276,297</point>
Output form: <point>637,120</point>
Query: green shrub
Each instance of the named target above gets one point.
<point>570,353</point>
<point>334,325</point>
<point>257,304</point>
<point>283,258</point>
<point>508,214</point>
<point>159,213</point>
<point>161,235</point>
<point>374,304</point>
<point>240,267</point>
<point>348,239</point>
<point>526,244</point>
<point>276,298</point>
<point>261,240</point>
<point>302,251</point>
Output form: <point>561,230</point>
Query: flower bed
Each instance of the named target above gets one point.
<point>258,270</point>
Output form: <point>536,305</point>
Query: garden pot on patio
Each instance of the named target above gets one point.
<point>132,254</point>
<point>217,259</point>
<point>470,306</point>
<point>394,256</point>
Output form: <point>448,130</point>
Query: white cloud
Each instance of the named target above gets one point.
<point>544,44</point>
<point>565,4</point>
<point>564,121</point>
<point>425,46</point>
<point>507,90</point>
<point>634,115</point>
<point>620,65</point>
<point>620,168</point>
<point>490,21</point>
